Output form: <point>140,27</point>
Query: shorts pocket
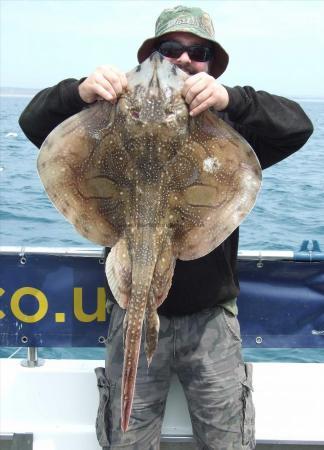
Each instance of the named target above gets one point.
<point>104,419</point>
<point>248,413</point>
<point>232,324</point>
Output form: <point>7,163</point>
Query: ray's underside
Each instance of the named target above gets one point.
<point>146,179</point>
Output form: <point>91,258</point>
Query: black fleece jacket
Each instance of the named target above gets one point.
<point>274,126</point>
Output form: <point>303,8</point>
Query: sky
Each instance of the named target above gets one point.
<point>274,45</point>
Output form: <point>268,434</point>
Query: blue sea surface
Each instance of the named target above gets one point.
<point>289,209</point>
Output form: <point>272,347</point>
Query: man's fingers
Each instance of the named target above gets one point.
<point>201,107</point>
<point>114,81</point>
<point>118,82</point>
<point>113,87</point>
<point>190,82</point>
<point>193,89</point>
<point>123,80</point>
<point>201,91</point>
<point>119,76</point>
<point>103,93</point>
<point>200,98</point>
<point>105,82</point>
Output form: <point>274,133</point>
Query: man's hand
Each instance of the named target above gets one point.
<point>201,91</point>
<point>106,82</point>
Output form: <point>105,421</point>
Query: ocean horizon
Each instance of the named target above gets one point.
<point>13,91</point>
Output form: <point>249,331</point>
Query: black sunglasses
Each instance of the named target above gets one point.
<point>173,49</point>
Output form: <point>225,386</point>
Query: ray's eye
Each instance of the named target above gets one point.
<point>135,113</point>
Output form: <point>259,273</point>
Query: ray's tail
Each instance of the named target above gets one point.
<point>134,275</point>
<point>133,324</point>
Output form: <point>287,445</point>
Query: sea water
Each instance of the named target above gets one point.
<point>289,209</point>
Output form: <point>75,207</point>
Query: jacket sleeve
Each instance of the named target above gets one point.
<point>49,108</point>
<point>274,126</point>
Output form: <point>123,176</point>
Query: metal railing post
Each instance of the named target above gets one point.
<point>32,358</point>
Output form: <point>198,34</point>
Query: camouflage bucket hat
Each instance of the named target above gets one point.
<point>189,20</point>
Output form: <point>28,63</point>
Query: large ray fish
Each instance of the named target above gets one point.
<point>146,179</point>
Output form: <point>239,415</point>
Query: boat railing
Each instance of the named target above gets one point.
<point>57,297</point>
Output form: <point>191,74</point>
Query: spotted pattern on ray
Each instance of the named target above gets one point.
<point>153,183</point>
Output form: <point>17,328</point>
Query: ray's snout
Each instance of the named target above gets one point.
<point>153,103</point>
<point>156,75</point>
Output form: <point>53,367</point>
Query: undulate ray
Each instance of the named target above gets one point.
<point>146,179</point>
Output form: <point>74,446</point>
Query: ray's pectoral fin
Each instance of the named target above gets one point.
<point>71,165</point>
<point>119,273</point>
<point>161,283</point>
<point>221,190</point>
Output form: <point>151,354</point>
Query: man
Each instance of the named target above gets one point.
<point>199,333</point>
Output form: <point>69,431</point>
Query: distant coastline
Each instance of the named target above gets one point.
<point>298,98</point>
<point>17,92</point>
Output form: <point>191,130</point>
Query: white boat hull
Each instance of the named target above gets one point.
<point>58,402</point>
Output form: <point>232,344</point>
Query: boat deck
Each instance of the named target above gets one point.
<point>57,403</point>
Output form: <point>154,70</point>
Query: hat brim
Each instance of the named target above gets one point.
<point>217,65</point>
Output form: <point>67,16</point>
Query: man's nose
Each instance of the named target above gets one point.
<point>184,58</point>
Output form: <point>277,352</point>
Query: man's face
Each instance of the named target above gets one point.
<point>184,62</point>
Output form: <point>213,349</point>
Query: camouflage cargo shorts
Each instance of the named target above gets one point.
<point>204,350</point>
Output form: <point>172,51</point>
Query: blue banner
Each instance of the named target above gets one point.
<point>282,304</point>
<point>52,301</point>
<point>60,301</point>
